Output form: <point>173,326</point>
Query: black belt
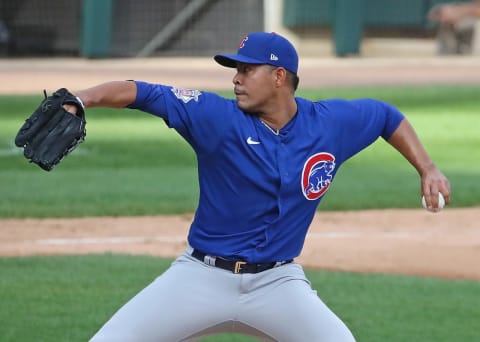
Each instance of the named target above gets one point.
<point>235,266</point>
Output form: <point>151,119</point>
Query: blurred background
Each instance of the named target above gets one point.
<point>128,28</point>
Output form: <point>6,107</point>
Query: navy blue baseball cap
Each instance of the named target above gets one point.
<point>263,48</point>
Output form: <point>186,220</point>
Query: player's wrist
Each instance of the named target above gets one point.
<point>80,102</point>
<point>425,168</point>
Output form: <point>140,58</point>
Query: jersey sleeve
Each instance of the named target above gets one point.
<point>359,123</point>
<point>199,117</point>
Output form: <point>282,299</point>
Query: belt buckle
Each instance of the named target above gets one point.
<point>238,266</point>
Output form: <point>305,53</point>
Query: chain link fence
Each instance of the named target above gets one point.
<point>55,27</point>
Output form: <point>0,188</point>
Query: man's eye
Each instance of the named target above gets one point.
<point>245,69</point>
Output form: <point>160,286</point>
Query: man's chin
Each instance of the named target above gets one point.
<point>241,105</point>
<point>244,107</point>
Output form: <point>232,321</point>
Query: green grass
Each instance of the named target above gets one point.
<point>132,164</point>
<point>68,298</point>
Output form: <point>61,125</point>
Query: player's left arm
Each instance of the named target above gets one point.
<point>114,94</point>
<point>433,181</point>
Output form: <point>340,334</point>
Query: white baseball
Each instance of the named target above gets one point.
<point>441,201</point>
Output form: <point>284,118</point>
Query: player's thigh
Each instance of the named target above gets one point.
<point>288,309</point>
<point>177,304</point>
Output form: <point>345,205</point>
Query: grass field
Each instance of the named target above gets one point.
<point>69,298</point>
<point>131,164</point>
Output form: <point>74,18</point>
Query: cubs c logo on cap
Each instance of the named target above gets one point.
<point>262,48</point>
<point>242,43</point>
<point>317,175</point>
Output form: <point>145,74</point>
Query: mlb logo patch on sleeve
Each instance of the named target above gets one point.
<point>186,95</point>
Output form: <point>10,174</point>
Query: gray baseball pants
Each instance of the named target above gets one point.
<point>192,300</point>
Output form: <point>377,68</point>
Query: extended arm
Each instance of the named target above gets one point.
<point>406,141</point>
<point>116,94</point>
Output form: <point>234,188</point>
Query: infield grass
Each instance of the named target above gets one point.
<point>68,298</point>
<point>132,164</point>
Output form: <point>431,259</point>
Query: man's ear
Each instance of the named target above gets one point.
<point>280,76</point>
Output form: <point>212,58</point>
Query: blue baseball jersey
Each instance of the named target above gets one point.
<point>258,190</point>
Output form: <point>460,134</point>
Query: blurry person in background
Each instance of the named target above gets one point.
<point>458,27</point>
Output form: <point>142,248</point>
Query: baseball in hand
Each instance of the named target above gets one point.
<point>441,201</point>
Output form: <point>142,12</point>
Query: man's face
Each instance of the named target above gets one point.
<point>254,85</point>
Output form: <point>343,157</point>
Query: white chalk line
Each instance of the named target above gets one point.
<point>10,151</point>
<point>353,235</point>
<point>13,150</point>
<point>110,240</point>
<point>176,239</point>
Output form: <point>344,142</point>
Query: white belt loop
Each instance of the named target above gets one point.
<point>189,249</point>
<point>209,260</point>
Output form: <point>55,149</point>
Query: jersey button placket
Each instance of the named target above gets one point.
<point>282,160</point>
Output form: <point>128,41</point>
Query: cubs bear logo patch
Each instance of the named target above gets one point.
<point>317,175</point>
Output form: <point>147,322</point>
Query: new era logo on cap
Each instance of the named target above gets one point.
<point>262,48</point>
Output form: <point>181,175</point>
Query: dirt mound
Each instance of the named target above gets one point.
<point>414,242</point>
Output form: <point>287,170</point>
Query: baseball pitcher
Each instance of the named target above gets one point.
<point>266,160</point>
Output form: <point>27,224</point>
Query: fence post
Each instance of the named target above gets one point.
<point>347,26</point>
<point>96,28</point>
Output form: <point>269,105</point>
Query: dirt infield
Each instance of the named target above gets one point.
<point>446,244</point>
<point>34,75</point>
<point>415,242</point>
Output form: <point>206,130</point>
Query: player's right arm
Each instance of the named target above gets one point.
<point>433,181</point>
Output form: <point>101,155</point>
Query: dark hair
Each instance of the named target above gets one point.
<point>293,79</point>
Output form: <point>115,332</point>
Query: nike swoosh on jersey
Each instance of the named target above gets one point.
<point>250,141</point>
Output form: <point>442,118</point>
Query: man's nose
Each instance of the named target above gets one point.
<point>236,79</point>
